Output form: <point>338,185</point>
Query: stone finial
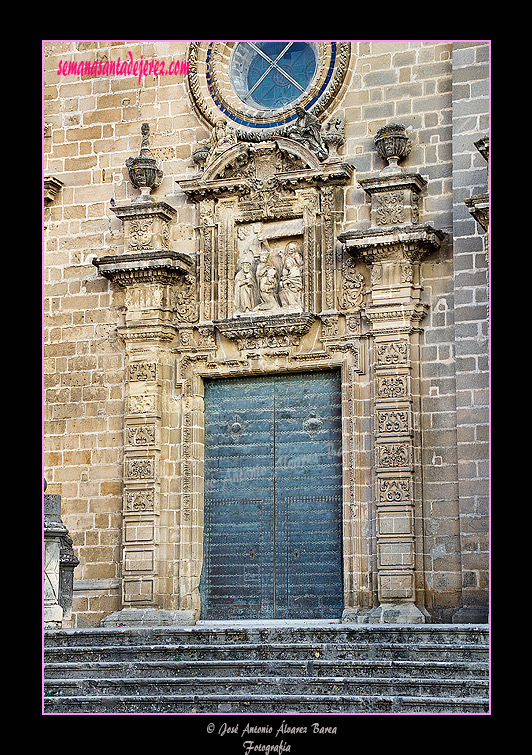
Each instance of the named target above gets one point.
<point>334,135</point>
<point>143,171</point>
<point>483,146</point>
<point>392,145</point>
<point>145,144</point>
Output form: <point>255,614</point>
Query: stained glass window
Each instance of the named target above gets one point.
<point>270,75</point>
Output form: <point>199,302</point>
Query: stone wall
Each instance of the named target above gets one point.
<point>92,125</point>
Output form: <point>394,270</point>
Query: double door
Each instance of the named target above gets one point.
<point>273,497</point>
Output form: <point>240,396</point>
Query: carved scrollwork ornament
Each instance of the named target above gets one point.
<point>353,285</point>
<point>185,299</point>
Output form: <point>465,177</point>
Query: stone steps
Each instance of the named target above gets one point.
<point>342,668</point>
<point>274,651</point>
<point>286,685</point>
<point>462,670</point>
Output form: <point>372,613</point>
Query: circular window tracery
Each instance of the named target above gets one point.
<point>270,75</point>
<point>260,85</point>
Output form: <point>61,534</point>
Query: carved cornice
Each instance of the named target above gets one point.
<point>479,207</point>
<point>393,243</point>
<point>152,209</point>
<point>147,332</point>
<point>198,189</point>
<point>239,157</point>
<point>381,182</point>
<point>410,313</point>
<point>275,330</point>
<point>52,186</point>
<point>331,173</point>
<point>160,266</point>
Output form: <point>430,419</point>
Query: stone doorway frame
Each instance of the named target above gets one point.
<point>356,553</point>
<point>182,326</point>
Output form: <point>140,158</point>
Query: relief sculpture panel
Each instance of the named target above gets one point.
<point>269,279</point>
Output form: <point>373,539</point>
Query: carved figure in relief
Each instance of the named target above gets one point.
<point>291,285</point>
<point>307,130</point>
<point>222,138</point>
<point>245,288</point>
<point>268,281</point>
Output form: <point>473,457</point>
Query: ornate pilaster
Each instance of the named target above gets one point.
<point>393,249</point>
<point>160,293</point>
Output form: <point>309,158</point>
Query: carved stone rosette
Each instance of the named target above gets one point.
<point>393,249</point>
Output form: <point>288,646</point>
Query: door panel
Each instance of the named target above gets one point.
<point>273,484</point>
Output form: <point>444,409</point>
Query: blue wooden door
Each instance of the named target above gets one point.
<point>273,497</point>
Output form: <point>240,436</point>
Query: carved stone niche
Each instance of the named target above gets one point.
<point>266,234</point>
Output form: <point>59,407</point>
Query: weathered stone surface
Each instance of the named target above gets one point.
<point>268,669</point>
<point>379,273</point>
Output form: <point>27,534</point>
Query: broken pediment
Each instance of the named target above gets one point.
<point>245,167</point>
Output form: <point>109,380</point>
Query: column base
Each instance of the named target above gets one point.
<point>388,613</point>
<point>148,617</point>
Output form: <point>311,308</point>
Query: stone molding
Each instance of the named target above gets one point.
<point>479,204</point>
<point>52,187</point>
<point>164,266</point>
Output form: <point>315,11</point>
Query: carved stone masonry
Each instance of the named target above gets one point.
<point>267,214</point>
<point>394,198</point>
<point>393,248</point>
<point>160,293</point>
<point>479,204</point>
<point>262,296</point>
<point>146,226</point>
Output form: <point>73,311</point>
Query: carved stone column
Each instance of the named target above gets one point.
<point>393,249</point>
<point>158,285</point>
<point>160,291</point>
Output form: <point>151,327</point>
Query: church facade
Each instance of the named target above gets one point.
<point>266,328</point>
